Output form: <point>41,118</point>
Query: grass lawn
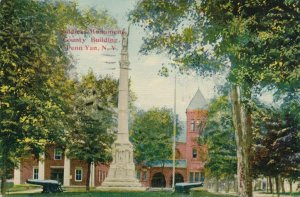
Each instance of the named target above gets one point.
<point>121,194</point>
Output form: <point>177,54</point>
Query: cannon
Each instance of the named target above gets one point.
<point>49,186</point>
<point>185,187</point>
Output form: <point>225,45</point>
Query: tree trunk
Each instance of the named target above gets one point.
<point>4,168</point>
<point>243,134</point>
<point>291,186</point>
<point>206,182</point>
<point>227,185</point>
<point>3,182</point>
<point>271,185</point>
<point>282,185</point>
<point>277,185</point>
<point>216,185</point>
<point>235,185</point>
<point>88,176</point>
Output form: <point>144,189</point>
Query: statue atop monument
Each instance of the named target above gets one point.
<point>125,40</point>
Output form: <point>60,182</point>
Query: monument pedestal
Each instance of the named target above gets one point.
<point>122,169</point>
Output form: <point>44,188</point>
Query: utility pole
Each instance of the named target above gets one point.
<point>174,136</point>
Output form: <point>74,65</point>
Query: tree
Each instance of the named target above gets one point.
<point>91,136</point>
<point>220,140</point>
<point>239,36</point>
<point>290,112</point>
<point>277,143</point>
<point>151,136</point>
<point>34,88</point>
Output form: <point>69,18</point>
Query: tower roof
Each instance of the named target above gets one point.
<point>198,102</point>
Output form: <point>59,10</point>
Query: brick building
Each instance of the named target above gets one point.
<point>56,166</point>
<point>70,172</point>
<point>189,155</point>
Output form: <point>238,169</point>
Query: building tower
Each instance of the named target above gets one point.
<point>122,169</point>
<point>196,114</point>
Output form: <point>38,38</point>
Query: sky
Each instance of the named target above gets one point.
<point>151,89</point>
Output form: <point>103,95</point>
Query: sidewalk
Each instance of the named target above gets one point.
<point>259,194</point>
<point>25,191</point>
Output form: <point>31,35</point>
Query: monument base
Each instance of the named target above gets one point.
<point>121,172</point>
<point>119,189</point>
<point>128,183</point>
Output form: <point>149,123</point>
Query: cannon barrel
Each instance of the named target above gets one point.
<point>185,187</point>
<point>49,186</point>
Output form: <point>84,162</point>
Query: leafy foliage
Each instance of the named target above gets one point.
<point>151,135</point>
<point>277,142</point>
<point>91,135</point>
<point>35,91</point>
<point>259,38</point>
<point>220,140</point>
<point>256,41</point>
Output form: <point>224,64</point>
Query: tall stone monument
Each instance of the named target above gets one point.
<point>122,169</point>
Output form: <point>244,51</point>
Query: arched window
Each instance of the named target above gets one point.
<point>138,175</point>
<point>192,125</point>
<point>145,176</point>
<point>158,180</point>
<point>197,125</point>
<point>178,178</point>
<point>177,154</point>
<point>194,153</point>
<point>201,125</point>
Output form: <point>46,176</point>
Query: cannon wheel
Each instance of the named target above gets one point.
<point>52,188</point>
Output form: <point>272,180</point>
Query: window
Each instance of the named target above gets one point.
<point>57,154</point>
<point>177,154</point>
<point>100,176</point>
<point>197,176</point>
<point>202,176</point>
<point>198,124</point>
<point>194,153</point>
<point>145,175</point>
<point>191,177</point>
<point>78,174</point>
<point>138,175</point>
<point>193,125</point>
<point>35,173</point>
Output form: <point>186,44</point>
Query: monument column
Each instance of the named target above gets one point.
<point>67,171</point>
<point>92,175</point>
<point>122,169</point>
<point>42,166</point>
<point>17,175</point>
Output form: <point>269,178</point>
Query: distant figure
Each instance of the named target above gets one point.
<point>264,185</point>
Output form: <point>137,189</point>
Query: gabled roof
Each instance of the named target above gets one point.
<point>198,102</point>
